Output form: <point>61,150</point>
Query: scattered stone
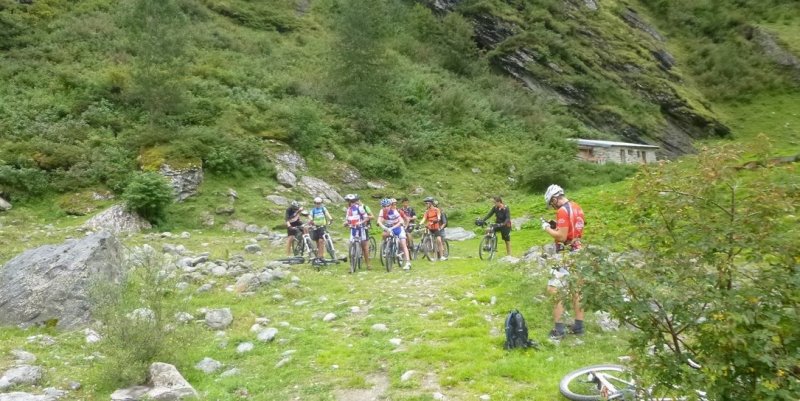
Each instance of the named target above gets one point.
<point>207,219</point>
<point>267,334</point>
<point>227,210</point>
<point>244,347</point>
<point>42,339</point>
<point>278,200</point>
<point>262,320</point>
<point>605,321</point>
<point>295,279</point>
<point>4,205</point>
<point>247,282</point>
<point>183,317</point>
<point>407,376</point>
<point>186,235</point>
<point>493,300</point>
<point>476,170</point>
<point>283,362</point>
<point>317,187</point>
<point>219,271</point>
<point>165,383</point>
<point>117,220</point>
<point>509,259</point>
<point>486,397</point>
<point>182,286</point>
<point>52,282</point>
<point>438,396</point>
<point>205,288</point>
<point>230,372</point>
<point>519,222</point>
<point>91,336</point>
<point>329,317</point>
<point>23,357</point>
<point>375,185</point>
<point>73,385</point>
<point>21,375</point>
<point>591,5</point>
<point>208,365</point>
<point>256,328</point>
<point>285,177</point>
<point>291,160</point>
<point>396,341</point>
<point>459,234</point>
<point>19,396</point>
<point>219,319</point>
<point>53,393</point>
<point>144,315</point>
<point>379,327</point>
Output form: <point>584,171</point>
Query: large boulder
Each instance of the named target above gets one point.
<point>4,205</point>
<point>53,281</point>
<point>165,384</point>
<point>21,375</point>
<point>317,187</point>
<point>117,220</point>
<point>184,181</point>
<point>285,177</point>
<point>458,234</point>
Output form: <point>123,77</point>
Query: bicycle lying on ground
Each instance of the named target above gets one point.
<point>488,245</point>
<point>610,382</point>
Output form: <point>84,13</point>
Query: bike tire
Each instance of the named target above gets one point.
<point>484,248</point>
<point>389,255</point>
<point>329,247</point>
<point>383,253</point>
<point>576,390</point>
<point>354,255</point>
<point>410,244</point>
<point>429,247</point>
<point>373,248</point>
<point>310,248</point>
<point>493,251</point>
<point>446,247</point>
<point>297,247</point>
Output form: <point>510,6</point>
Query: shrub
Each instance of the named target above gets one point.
<point>148,194</point>
<point>136,314</point>
<point>23,182</point>
<point>378,161</point>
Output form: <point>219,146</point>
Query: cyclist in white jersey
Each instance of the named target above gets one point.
<point>393,222</point>
<point>356,218</point>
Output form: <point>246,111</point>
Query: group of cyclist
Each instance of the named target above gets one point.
<point>392,220</point>
<point>566,231</point>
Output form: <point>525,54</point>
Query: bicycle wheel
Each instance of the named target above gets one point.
<point>329,247</point>
<point>389,255</point>
<point>310,247</point>
<point>297,247</point>
<point>373,248</point>
<point>585,385</point>
<point>355,256</point>
<point>383,253</point>
<point>446,247</point>
<point>429,247</point>
<point>410,244</point>
<point>485,248</point>
<point>493,251</point>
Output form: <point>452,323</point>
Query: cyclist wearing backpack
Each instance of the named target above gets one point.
<point>356,218</point>
<point>293,224</point>
<point>393,222</point>
<point>433,221</point>
<point>567,234</point>
<point>444,219</point>
<point>503,221</point>
<point>320,218</point>
<point>411,215</point>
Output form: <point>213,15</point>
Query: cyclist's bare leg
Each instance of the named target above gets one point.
<point>404,247</point>
<point>440,245</point>
<point>320,247</point>
<point>508,248</point>
<point>558,309</point>
<point>289,242</point>
<point>365,253</point>
<point>576,306</point>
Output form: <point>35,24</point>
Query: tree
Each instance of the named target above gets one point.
<point>710,273</point>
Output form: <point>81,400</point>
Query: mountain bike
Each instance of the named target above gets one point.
<point>610,382</point>
<point>354,253</point>
<point>413,248</point>
<point>326,238</point>
<point>488,245</point>
<point>391,252</point>
<point>303,245</point>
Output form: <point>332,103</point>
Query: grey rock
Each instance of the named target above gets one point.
<point>776,52</point>
<point>184,181</point>
<point>183,317</point>
<point>219,271</point>
<point>208,365</point>
<point>230,372</point>
<point>509,259</point>
<point>23,357</point>
<point>632,18</point>
<point>458,234</point>
<point>605,321</point>
<point>283,362</point>
<point>244,347</point>
<point>591,4</point>
<point>91,336</point>
<point>21,375</point>
<point>182,286</point>
<point>379,327</point>
<point>4,205</point>
<point>219,319</point>
<point>225,210</point>
<point>73,385</point>
<point>407,375</point>
<point>186,235</point>
<point>165,384</point>
<point>144,315</point>
<point>329,317</point>
<point>235,225</point>
<point>253,229</point>
<point>205,288</point>
<point>252,248</point>
<point>267,334</point>
<point>316,187</point>
<point>53,281</point>
<point>285,177</point>
<point>19,396</point>
<point>476,170</point>
<point>53,392</point>
<point>247,282</point>
<point>117,220</point>
<point>375,185</point>
<point>292,161</point>
<point>519,221</point>
<point>207,218</point>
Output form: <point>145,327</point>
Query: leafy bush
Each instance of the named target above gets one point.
<point>378,161</point>
<point>136,315</point>
<point>22,182</point>
<point>710,274</point>
<point>148,194</point>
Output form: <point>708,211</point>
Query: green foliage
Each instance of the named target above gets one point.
<point>710,273</point>
<point>22,181</point>
<point>148,194</point>
<point>137,316</point>
<point>378,161</point>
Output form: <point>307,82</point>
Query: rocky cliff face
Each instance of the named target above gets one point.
<point>631,59</point>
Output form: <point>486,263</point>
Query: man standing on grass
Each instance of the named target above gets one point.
<point>567,234</point>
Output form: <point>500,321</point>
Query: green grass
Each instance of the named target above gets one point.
<point>776,116</point>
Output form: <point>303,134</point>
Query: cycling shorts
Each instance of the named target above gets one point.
<point>437,233</point>
<point>505,232</point>
<point>359,233</point>
<point>290,231</point>
<point>399,232</point>
<point>317,233</point>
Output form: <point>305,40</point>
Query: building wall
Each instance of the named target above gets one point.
<point>618,154</point>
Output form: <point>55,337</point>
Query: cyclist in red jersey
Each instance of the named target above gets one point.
<point>567,235</point>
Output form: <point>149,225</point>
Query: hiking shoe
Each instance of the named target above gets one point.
<point>556,335</point>
<point>576,331</point>
<point>407,266</point>
<point>443,258</point>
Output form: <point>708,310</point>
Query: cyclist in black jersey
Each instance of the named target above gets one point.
<point>502,218</point>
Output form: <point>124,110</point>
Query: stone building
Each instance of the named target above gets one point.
<point>602,152</point>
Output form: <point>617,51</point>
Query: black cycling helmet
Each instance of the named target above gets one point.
<point>295,204</point>
<point>428,199</point>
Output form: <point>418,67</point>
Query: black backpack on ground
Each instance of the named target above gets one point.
<point>517,332</point>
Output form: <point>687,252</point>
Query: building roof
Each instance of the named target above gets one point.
<point>608,144</point>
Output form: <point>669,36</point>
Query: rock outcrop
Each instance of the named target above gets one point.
<point>4,205</point>
<point>316,187</point>
<point>184,181</point>
<point>117,220</point>
<point>165,384</point>
<point>53,281</point>
<point>775,51</point>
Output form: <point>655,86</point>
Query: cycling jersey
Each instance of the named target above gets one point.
<point>356,216</point>
<point>502,216</point>
<point>432,218</point>
<point>293,216</point>
<point>319,216</point>
<point>392,216</point>
<point>570,216</point>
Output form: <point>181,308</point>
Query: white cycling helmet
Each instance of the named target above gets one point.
<point>552,191</point>
<point>317,200</point>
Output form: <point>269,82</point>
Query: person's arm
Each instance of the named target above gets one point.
<point>328,218</point>
<point>491,212</point>
<point>380,220</point>
<point>559,234</point>
<point>288,218</point>
<point>507,223</point>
